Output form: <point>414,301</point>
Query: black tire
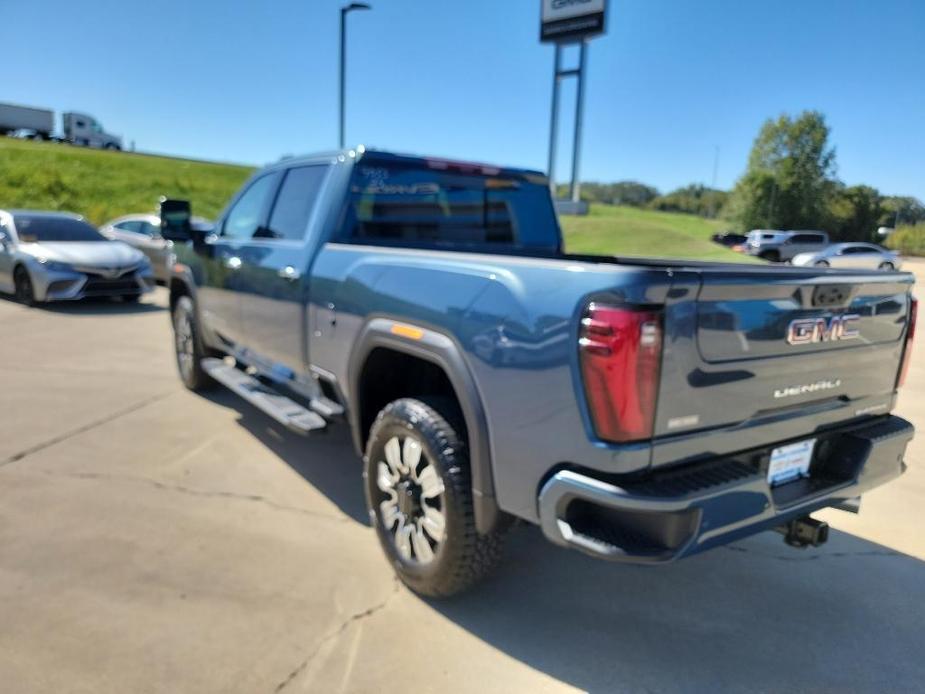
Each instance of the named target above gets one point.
<point>821,263</point>
<point>887,266</point>
<point>770,256</point>
<point>131,298</point>
<point>25,294</point>
<point>461,557</point>
<point>188,346</point>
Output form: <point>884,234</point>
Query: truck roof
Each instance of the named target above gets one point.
<point>385,156</point>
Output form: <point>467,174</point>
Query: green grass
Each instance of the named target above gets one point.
<point>102,185</point>
<point>630,231</point>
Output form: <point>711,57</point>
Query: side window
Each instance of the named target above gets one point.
<point>130,225</point>
<point>149,230</point>
<point>297,196</point>
<point>248,212</point>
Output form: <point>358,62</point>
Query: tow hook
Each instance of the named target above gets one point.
<point>804,532</point>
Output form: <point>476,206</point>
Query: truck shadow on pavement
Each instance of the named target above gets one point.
<point>756,615</point>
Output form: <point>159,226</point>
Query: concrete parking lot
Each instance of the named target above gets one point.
<point>153,540</point>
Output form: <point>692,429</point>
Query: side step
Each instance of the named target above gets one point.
<point>285,411</point>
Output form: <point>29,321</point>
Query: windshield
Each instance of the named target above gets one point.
<point>423,204</point>
<point>38,228</point>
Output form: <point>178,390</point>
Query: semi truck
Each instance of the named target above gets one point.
<point>637,410</point>
<point>39,123</point>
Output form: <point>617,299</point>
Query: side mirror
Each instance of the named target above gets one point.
<point>175,220</point>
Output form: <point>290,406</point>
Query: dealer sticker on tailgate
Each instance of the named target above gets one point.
<point>790,462</point>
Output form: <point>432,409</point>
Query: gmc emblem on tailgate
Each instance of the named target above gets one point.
<point>808,330</point>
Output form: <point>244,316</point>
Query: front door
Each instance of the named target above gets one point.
<point>221,262</point>
<point>275,267</point>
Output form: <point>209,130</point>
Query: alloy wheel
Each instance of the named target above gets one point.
<point>185,347</point>
<point>412,500</point>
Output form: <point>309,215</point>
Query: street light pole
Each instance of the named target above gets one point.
<point>344,11</point>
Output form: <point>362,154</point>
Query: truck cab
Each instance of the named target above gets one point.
<point>81,129</point>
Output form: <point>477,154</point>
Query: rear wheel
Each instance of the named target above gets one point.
<point>419,498</point>
<point>770,256</point>
<point>887,266</point>
<point>821,263</point>
<point>131,298</point>
<point>25,294</point>
<point>188,346</point>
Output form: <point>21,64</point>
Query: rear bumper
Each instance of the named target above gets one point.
<point>675,513</point>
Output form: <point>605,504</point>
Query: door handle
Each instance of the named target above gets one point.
<point>232,262</point>
<point>289,273</point>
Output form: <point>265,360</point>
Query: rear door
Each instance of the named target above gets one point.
<point>862,257</point>
<point>754,356</point>
<point>273,281</point>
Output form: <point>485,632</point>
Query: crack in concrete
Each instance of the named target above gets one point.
<point>86,427</point>
<point>335,633</point>
<point>206,493</point>
<point>816,557</point>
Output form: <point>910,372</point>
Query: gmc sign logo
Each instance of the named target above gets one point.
<point>805,331</point>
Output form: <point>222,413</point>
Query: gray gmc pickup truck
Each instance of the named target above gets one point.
<point>636,410</point>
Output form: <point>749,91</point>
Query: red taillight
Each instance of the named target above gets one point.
<point>620,354</point>
<point>910,333</point>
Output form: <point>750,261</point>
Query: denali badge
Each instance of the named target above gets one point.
<point>807,330</point>
<point>805,388</point>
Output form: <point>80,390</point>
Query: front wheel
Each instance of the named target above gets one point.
<point>25,294</point>
<point>821,263</point>
<point>188,346</point>
<point>887,267</point>
<point>419,498</point>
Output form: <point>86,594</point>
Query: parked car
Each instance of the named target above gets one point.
<point>636,410</point>
<point>143,231</point>
<point>729,239</point>
<point>781,246</point>
<point>55,256</point>
<point>865,256</point>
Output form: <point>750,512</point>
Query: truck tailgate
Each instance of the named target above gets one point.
<point>754,356</point>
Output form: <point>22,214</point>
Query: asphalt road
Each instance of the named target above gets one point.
<point>153,540</point>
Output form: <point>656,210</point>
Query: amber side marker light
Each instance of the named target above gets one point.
<point>407,331</point>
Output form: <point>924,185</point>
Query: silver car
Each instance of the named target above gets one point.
<point>143,231</point>
<point>860,256</point>
<point>54,256</point>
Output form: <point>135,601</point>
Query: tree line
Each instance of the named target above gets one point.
<point>790,183</point>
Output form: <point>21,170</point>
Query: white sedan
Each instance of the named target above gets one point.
<point>864,256</point>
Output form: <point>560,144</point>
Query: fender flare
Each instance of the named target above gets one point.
<point>442,350</point>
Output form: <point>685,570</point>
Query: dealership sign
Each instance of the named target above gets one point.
<point>571,20</point>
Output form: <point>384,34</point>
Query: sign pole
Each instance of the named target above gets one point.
<point>579,113</point>
<point>554,121</point>
<point>570,22</point>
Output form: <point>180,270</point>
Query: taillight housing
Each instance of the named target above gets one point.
<point>910,334</point>
<point>620,352</point>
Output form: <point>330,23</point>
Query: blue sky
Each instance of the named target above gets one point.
<point>668,83</point>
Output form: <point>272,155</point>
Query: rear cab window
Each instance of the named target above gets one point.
<point>433,203</point>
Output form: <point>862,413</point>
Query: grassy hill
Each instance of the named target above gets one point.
<point>102,185</point>
<point>629,231</point>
